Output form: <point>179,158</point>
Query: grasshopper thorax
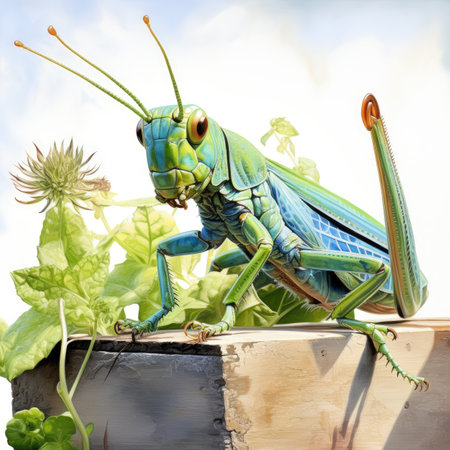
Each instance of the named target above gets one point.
<point>181,154</point>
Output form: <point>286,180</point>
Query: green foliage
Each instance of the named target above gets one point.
<point>307,168</point>
<point>283,127</point>
<point>289,307</point>
<point>3,327</point>
<point>28,340</point>
<point>203,301</point>
<point>140,236</point>
<point>73,291</point>
<point>283,131</point>
<point>24,430</point>
<point>28,430</point>
<point>72,268</point>
<point>80,275</point>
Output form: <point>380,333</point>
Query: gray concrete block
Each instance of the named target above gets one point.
<point>301,387</point>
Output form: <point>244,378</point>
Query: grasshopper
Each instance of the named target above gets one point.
<point>285,226</point>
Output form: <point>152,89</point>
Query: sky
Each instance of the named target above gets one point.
<point>243,62</point>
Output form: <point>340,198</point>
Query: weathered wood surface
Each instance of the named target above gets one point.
<point>290,387</point>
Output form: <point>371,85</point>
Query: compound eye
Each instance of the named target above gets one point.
<point>140,131</point>
<point>197,126</point>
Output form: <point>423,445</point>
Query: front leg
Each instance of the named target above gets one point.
<point>187,243</point>
<point>258,236</point>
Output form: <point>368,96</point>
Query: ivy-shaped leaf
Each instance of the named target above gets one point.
<point>59,430</point>
<point>24,430</point>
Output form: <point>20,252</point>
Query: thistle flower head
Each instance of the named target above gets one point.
<point>59,177</point>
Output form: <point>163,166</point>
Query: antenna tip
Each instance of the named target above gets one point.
<point>146,19</point>
<point>18,44</point>
<point>52,31</point>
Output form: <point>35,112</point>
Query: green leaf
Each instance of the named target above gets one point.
<point>290,307</point>
<point>283,127</point>
<point>64,238</point>
<point>104,242</point>
<point>307,167</point>
<point>266,137</point>
<point>252,312</point>
<point>130,282</point>
<point>91,274</point>
<point>183,266</point>
<point>306,163</point>
<point>52,253</point>
<point>108,311</point>
<point>24,430</point>
<point>89,428</point>
<point>43,286</point>
<point>3,327</point>
<point>59,429</point>
<point>203,301</point>
<point>140,236</point>
<point>27,341</point>
<point>152,304</point>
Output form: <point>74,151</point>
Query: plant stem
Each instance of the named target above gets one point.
<point>62,385</point>
<point>105,222</point>
<point>85,361</point>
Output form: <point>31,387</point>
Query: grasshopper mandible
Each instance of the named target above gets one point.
<point>301,235</point>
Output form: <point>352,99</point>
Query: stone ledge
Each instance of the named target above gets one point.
<point>297,386</point>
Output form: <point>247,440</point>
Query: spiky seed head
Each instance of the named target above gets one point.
<point>59,177</point>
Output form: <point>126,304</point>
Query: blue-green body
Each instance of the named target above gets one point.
<point>227,177</point>
<point>300,235</point>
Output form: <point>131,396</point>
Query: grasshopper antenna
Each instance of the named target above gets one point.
<point>145,115</point>
<point>179,118</point>
<point>53,32</point>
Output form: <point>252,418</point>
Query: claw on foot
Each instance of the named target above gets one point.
<point>393,332</point>
<point>118,327</point>
<point>200,336</point>
<point>420,384</point>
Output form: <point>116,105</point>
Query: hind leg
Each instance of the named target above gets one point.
<point>377,334</point>
<point>336,261</point>
<point>410,285</point>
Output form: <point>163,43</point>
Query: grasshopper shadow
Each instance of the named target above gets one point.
<point>356,397</point>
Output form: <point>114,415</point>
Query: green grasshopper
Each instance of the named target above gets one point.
<point>285,226</point>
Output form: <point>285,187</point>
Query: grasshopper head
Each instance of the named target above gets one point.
<point>180,141</point>
<point>180,154</point>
